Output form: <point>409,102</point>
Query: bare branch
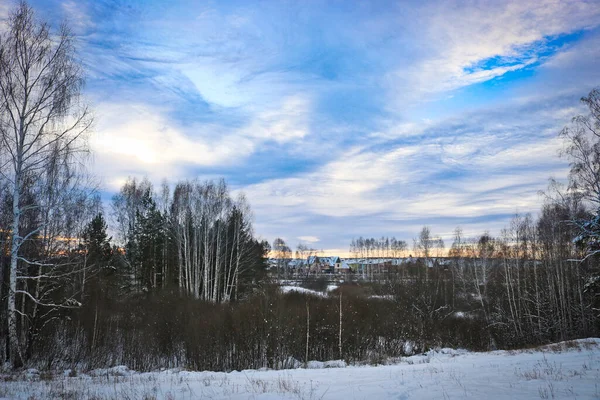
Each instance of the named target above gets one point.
<point>73,305</point>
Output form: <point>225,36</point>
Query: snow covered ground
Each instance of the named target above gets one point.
<point>299,289</point>
<point>564,371</point>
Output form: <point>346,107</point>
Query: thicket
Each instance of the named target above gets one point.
<point>508,292</point>
<point>268,329</point>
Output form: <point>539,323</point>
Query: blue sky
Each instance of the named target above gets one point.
<point>339,118</point>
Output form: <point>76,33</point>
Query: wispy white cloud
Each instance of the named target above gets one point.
<point>444,180</point>
<point>148,138</point>
<point>77,16</point>
<point>308,239</point>
<point>140,139</point>
<point>458,37</point>
<point>286,123</point>
<point>5,8</point>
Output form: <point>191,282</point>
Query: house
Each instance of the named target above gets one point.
<point>295,265</point>
<point>371,265</point>
<point>328,265</point>
<point>403,260</point>
<point>273,263</point>
<point>343,268</point>
<point>334,263</point>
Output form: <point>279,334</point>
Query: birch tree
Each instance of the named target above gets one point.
<point>41,119</point>
<point>214,245</point>
<point>582,148</point>
<point>282,253</point>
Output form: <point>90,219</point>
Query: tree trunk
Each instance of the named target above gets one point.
<point>307,335</point>
<point>340,331</point>
<point>15,356</point>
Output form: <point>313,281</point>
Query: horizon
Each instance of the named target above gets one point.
<point>339,120</point>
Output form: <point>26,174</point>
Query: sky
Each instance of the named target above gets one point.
<point>339,119</point>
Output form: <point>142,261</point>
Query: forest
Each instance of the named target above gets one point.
<point>175,276</point>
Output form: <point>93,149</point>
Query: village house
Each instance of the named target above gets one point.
<point>328,265</point>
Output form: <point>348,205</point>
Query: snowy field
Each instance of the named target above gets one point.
<point>563,371</point>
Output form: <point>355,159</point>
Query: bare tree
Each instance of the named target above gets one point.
<point>41,120</point>
<point>398,247</point>
<point>303,253</point>
<point>424,245</point>
<point>582,139</point>
<point>214,246</point>
<point>282,254</point>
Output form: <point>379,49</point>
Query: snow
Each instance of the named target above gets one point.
<point>287,289</point>
<point>299,289</point>
<point>326,364</point>
<point>119,370</point>
<point>382,297</point>
<point>566,370</point>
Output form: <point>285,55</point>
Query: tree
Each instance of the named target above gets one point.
<point>303,252</point>
<point>41,122</point>
<point>582,139</point>
<point>96,243</point>
<point>214,248</point>
<point>424,245</point>
<point>283,254</point>
<point>398,247</point>
<point>99,274</point>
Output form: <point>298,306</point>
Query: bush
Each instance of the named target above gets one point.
<point>319,283</point>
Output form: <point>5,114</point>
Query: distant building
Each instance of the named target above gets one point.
<point>344,267</point>
<point>328,265</point>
